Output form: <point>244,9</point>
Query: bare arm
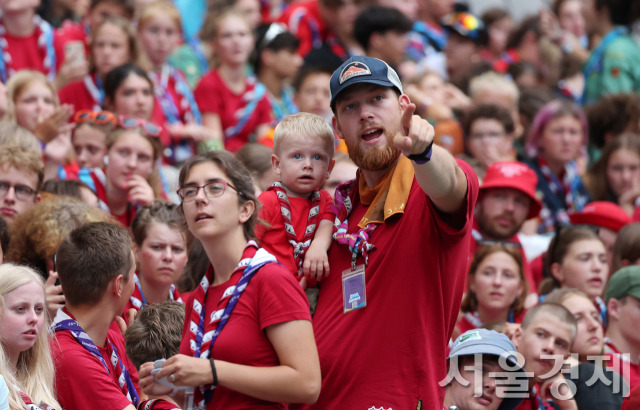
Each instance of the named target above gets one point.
<point>295,380</point>
<point>440,178</point>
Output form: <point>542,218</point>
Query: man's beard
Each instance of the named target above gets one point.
<point>376,158</point>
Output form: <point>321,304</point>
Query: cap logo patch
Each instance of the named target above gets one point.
<point>466,337</point>
<point>512,170</point>
<point>354,69</point>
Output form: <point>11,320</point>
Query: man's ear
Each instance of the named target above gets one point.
<point>613,308</point>
<point>117,285</point>
<point>336,127</point>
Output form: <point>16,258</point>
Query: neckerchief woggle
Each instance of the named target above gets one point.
<point>299,248</point>
<point>63,321</point>
<point>261,258</point>
<point>358,242</point>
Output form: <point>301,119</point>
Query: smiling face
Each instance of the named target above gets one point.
<point>159,36</point>
<point>497,282</point>
<point>162,255</point>
<point>35,103</point>
<point>131,154</point>
<point>368,117</point>
<point>590,335</point>
<point>302,164</point>
<point>584,267</point>
<point>22,319</point>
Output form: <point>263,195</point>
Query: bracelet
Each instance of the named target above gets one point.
<point>210,145</point>
<point>214,372</point>
<point>424,156</point>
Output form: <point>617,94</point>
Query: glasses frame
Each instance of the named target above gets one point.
<point>95,117</point>
<point>30,195</point>
<point>225,184</point>
<point>129,123</point>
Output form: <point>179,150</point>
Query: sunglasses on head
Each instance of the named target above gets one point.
<point>95,117</point>
<point>131,123</point>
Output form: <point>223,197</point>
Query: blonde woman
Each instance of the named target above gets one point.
<point>26,363</point>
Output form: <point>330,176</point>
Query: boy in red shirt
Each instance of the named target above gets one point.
<point>298,214</point>
<point>86,351</point>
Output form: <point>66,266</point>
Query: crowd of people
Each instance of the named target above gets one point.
<point>319,204</point>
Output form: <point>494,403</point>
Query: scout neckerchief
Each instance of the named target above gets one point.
<point>299,248</point>
<point>301,14</point>
<point>568,188</point>
<point>391,199</point>
<point>63,322</point>
<point>252,96</point>
<point>432,35</point>
<point>29,403</point>
<point>153,404</point>
<point>95,89</point>
<point>602,309</point>
<point>169,106</point>
<point>204,331</point>
<point>541,405</point>
<point>283,106</point>
<point>336,47</point>
<point>45,34</point>
<point>138,300</point>
<point>594,64</point>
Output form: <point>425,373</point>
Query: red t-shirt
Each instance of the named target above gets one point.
<point>213,96</point>
<point>392,353</point>
<point>78,95</point>
<point>157,404</point>
<point>305,22</point>
<point>274,239</point>
<point>619,363</point>
<point>271,297</point>
<point>97,181</point>
<point>82,382</point>
<point>27,54</point>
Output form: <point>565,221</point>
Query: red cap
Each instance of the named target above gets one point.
<point>601,213</point>
<point>517,176</point>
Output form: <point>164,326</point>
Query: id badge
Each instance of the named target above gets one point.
<point>353,289</point>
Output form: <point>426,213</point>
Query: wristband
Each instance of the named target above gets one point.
<point>423,157</point>
<point>213,371</point>
<point>210,145</point>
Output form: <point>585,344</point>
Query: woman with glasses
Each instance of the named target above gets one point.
<point>555,146</point>
<point>496,288</point>
<point>247,338</point>
<point>130,178</point>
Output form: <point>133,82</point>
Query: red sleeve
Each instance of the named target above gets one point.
<point>205,93</point>
<point>77,369</point>
<point>267,201</point>
<point>280,297</point>
<point>325,206</point>
<point>263,113</point>
<point>157,404</point>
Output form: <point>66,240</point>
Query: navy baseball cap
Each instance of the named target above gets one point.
<point>362,69</point>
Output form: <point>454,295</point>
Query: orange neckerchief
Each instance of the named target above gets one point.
<point>390,194</point>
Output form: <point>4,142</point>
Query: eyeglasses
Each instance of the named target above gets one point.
<point>211,190</point>
<point>97,117</point>
<point>490,136</point>
<point>23,192</point>
<point>490,242</point>
<point>130,123</point>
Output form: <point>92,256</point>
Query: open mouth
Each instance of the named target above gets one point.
<point>372,134</point>
<point>200,217</point>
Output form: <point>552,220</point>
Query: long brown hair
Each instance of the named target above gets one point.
<point>470,301</point>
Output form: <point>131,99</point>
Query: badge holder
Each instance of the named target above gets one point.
<point>354,287</point>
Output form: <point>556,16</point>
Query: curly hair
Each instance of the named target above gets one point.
<point>37,232</point>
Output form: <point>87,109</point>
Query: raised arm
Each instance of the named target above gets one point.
<point>440,177</point>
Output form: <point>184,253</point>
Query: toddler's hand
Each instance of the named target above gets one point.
<point>316,263</point>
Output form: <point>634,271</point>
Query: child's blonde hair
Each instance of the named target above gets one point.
<point>307,125</point>
<point>34,371</point>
